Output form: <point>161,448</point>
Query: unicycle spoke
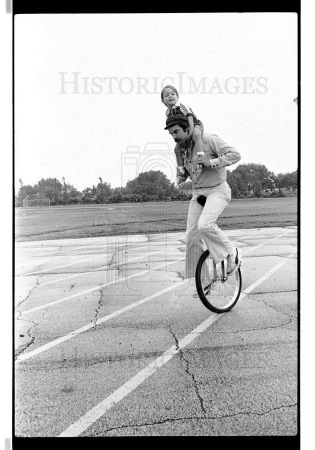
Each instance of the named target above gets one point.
<point>217,291</point>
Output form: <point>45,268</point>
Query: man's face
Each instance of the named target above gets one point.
<point>178,134</point>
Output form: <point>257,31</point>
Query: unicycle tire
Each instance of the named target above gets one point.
<point>218,293</point>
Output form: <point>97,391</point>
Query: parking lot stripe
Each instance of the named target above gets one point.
<point>120,264</point>
<point>82,329</point>
<point>77,262</point>
<point>74,333</point>
<point>99,410</point>
<point>65,265</point>
<point>266,242</point>
<point>100,286</point>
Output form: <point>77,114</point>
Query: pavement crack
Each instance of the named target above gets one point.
<point>205,417</point>
<point>118,266</point>
<point>254,329</point>
<point>111,261</point>
<point>27,296</point>
<point>98,307</point>
<point>276,309</point>
<point>274,292</point>
<point>249,413</point>
<point>148,424</point>
<point>177,274</point>
<point>29,335</point>
<point>31,341</point>
<point>188,371</point>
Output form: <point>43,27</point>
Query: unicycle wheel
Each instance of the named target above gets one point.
<point>217,291</point>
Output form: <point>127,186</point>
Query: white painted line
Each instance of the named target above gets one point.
<point>65,265</point>
<point>97,270</point>
<point>99,410</point>
<point>101,268</point>
<point>72,256</point>
<point>100,286</point>
<point>69,248</point>
<point>91,325</point>
<point>81,330</point>
<point>266,276</point>
<point>48,257</point>
<point>55,302</point>
<point>264,243</point>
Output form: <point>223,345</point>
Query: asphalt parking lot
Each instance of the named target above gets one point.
<point>110,341</point>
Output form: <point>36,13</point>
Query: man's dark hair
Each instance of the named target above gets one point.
<point>183,125</point>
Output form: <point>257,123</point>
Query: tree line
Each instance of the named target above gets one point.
<point>247,180</point>
<point>255,180</point>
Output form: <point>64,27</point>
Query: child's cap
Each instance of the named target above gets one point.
<point>170,87</point>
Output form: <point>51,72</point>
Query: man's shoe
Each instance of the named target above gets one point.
<point>233,263</point>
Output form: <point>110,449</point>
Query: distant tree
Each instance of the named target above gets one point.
<point>103,191</point>
<point>151,185</point>
<point>117,195</point>
<point>121,194</point>
<point>245,176</point>
<point>295,180</point>
<point>161,195</point>
<point>246,179</point>
<point>237,183</point>
<point>257,188</point>
<point>24,191</point>
<point>75,195</point>
<point>287,181</point>
<point>88,196</point>
<point>51,188</point>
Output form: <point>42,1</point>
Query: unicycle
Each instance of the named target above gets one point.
<point>218,291</point>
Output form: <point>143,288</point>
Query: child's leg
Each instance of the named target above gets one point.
<point>197,137</point>
<point>180,172</point>
<point>179,158</point>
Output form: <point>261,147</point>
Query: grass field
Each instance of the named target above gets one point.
<point>78,221</point>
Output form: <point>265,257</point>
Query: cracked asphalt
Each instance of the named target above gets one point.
<point>92,314</point>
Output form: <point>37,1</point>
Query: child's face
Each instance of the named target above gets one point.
<point>169,97</point>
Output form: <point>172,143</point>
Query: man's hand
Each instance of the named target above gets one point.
<point>203,160</point>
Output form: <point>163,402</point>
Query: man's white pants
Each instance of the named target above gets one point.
<point>201,225</point>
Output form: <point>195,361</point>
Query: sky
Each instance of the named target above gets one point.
<point>87,91</point>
